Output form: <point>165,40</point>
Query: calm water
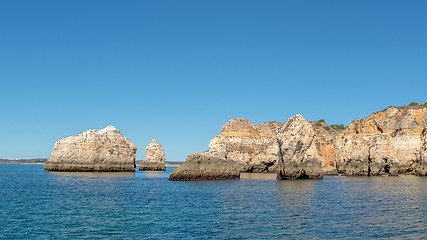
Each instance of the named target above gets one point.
<point>142,205</point>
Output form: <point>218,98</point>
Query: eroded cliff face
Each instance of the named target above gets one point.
<point>300,157</point>
<point>325,141</point>
<point>387,142</point>
<point>154,157</point>
<point>243,142</point>
<point>105,150</point>
<point>245,147</point>
<point>392,141</point>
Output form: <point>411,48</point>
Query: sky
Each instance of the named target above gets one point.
<point>177,71</point>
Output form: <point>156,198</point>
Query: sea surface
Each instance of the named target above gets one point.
<point>37,204</point>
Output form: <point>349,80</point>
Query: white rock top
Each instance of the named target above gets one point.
<point>107,129</point>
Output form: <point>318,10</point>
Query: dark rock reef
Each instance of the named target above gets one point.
<point>207,167</point>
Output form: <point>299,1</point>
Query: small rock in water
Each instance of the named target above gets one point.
<point>155,157</point>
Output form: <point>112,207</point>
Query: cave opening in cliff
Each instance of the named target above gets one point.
<point>387,169</point>
<point>303,175</point>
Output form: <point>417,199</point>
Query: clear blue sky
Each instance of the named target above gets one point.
<point>178,70</point>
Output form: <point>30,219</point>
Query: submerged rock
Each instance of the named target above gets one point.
<point>105,150</point>
<point>299,155</point>
<point>207,167</point>
<point>155,157</point>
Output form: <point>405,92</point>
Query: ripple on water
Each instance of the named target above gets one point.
<point>40,204</point>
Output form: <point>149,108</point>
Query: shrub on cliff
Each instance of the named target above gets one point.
<point>337,127</point>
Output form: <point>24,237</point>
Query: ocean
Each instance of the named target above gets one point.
<point>37,204</point>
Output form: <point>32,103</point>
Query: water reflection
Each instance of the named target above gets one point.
<point>93,174</point>
<point>264,176</point>
<point>153,174</point>
<point>297,186</point>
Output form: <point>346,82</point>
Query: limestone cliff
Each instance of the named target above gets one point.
<point>243,146</point>
<point>300,157</point>
<point>243,142</point>
<point>325,140</point>
<point>105,150</point>
<point>387,142</point>
<point>154,157</point>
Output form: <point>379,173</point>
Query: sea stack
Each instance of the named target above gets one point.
<point>154,159</point>
<point>105,150</point>
<point>299,154</point>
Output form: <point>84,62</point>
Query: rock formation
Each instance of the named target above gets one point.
<point>387,142</point>
<point>207,167</point>
<point>300,157</point>
<point>243,142</point>
<point>154,157</point>
<point>392,141</point>
<point>245,147</point>
<point>105,150</point>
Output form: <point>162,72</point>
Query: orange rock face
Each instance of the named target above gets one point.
<point>243,142</point>
<point>387,142</point>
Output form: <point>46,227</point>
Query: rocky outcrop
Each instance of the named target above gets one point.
<point>245,147</point>
<point>245,143</point>
<point>299,155</point>
<point>154,157</point>
<point>386,143</point>
<point>105,150</point>
<point>389,142</point>
<point>207,167</point>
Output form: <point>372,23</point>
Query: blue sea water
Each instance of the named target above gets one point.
<point>37,204</point>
